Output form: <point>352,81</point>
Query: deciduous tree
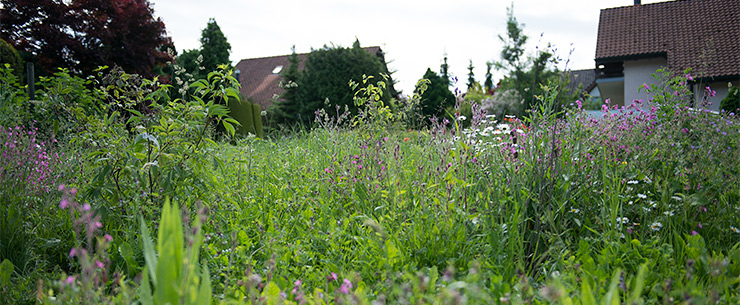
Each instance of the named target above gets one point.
<point>83,34</point>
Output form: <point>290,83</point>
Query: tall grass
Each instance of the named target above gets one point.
<point>639,205</point>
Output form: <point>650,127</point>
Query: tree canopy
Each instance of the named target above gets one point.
<point>81,35</point>
<point>324,81</point>
<point>437,98</point>
<point>214,47</point>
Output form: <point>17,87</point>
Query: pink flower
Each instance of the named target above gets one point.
<point>646,86</point>
<point>61,187</point>
<point>73,191</point>
<point>346,286</point>
<point>69,280</point>
<point>64,204</point>
<point>98,224</point>
<point>108,238</point>
<point>332,277</point>
<point>99,264</point>
<point>688,76</point>
<point>86,207</point>
<point>72,252</point>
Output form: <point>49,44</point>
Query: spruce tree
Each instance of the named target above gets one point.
<point>444,70</point>
<point>489,78</point>
<point>471,76</point>
<point>213,47</point>
<point>437,98</point>
<point>287,108</point>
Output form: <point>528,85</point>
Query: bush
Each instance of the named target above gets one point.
<point>731,102</point>
<point>8,55</point>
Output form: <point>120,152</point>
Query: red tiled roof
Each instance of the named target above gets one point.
<point>699,34</point>
<point>259,83</point>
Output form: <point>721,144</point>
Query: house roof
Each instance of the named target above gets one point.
<point>260,77</point>
<point>586,78</point>
<point>699,34</point>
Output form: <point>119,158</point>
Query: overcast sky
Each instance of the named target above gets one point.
<point>414,34</point>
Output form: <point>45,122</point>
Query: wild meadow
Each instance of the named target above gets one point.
<point>116,189</point>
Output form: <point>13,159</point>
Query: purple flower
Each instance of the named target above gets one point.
<point>332,277</point>
<point>688,76</point>
<point>61,187</point>
<point>108,238</point>
<point>346,286</point>
<point>646,86</point>
<point>72,252</point>
<point>99,264</point>
<point>64,204</point>
<point>69,280</point>
<point>86,207</point>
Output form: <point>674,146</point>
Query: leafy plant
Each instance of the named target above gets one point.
<point>174,269</point>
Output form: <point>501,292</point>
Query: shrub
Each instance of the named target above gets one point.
<point>8,55</point>
<point>731,102</point>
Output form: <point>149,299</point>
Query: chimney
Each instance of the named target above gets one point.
<point>637,2</point>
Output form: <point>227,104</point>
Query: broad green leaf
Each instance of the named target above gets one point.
<point>145,290</point>
<point>6,270</point>
<point>587,296</point>
<point>272,294</point>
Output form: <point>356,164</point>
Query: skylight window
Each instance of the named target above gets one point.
<point>277,69</point>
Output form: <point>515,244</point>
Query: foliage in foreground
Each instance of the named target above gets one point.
<point>639,206</point>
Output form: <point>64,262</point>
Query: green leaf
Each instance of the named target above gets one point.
<point>587,296</point>
<point>271,294</point>
<point>150,257</point>
<point>6,270</point>
<point>145,290</point>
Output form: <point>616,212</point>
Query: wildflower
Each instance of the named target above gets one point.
<point>346,286</point>
<point>574,210</point>
<point>625,220</point>
<point>645,86</point>
<point>263,113</point>
<point>332,277</point>
<point>734,229</point>
<point>668,213</point>
<point>646,179</point>
<point>406,139</point>
<point>61,187</point>
<point>694,233</point>
<point>99,264</point>
<point>676,198</point>
<point>641,196</point>
<point>69,280</point>
<point>656,226</point>
<point>108,238</point>
<point>462,118</point>
<point>710,92</point>
<point>64,204</point>
<point>72,252</point>
<point>86,207</point>
<point>633,182</point>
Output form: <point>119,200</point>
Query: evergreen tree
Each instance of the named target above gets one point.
<point>286,109</point>
<point>444,70</point>
<point>189,61</point>
<point>525,74</point>
<point>471,76</point>
<point>213,47</point>
<point>437,98</point>
<point>489,78</point>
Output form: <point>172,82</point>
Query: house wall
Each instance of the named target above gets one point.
<point>637,73</point>
<point>721,87</point>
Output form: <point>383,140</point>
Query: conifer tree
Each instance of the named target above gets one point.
<point>489,78</point>
<point>471,75</point>
<point>214,47</point>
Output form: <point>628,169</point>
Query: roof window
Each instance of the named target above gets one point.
<point>277,69</point>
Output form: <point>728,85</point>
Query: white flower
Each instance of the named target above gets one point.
<point>734,229</point>
<point>676,198</point>
<point>668,213</point>
<point>625,220</point>
<point>647,180</point>
<point>642,196</point>
<point>503,127</point>
<point>574,210</point>
<point>263,113</point>
<point>462,118</point>
<point>656,226</point>
<point>633,182</point>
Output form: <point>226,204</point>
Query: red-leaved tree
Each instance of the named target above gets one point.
<point>83,34</point>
